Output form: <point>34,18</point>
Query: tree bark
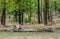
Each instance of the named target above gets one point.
<point>19,11</point>
<point>45,13</point>
<point>39,14</point>
<point>22,15</point>
<point>3,17</point>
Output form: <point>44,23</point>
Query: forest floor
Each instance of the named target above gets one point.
<point>38,26</point>
<point>30,35</point>
<point>33,35</point>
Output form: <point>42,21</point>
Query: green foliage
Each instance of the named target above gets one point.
<point>28,5</point>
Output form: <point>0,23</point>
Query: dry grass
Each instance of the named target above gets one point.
<point>34,27</point>
<point>29,35</point>
<point>41,26</point>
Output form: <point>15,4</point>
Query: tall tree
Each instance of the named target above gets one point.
<point>19,2</point>
<point>19,11</point>
<point>22,15</point>
<point>3,17</point>
<point>39,14</point>
<point>45,12</point>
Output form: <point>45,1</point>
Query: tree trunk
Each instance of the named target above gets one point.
<point>19,16</point>
<point>45,13</point>
<point>39,12</point>
<point>3,18</point>
<point>22,15</point>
